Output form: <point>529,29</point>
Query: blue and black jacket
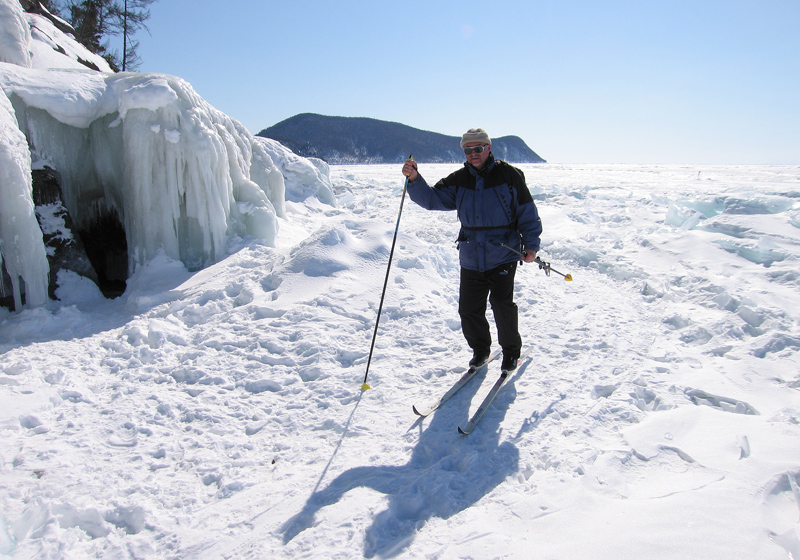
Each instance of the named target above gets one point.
<point>494,207</point>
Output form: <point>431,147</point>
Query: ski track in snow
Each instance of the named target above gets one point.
<point>219,414</point>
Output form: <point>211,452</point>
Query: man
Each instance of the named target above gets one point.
<point>495,208</point>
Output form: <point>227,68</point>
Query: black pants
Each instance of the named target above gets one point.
<point>498,285</point>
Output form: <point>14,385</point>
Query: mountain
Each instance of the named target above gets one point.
<point>340,140</point>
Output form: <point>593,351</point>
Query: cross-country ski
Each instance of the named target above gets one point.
<point>463,380</point>
<point>487,401</point>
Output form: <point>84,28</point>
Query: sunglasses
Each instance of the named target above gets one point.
<point>476,149</point>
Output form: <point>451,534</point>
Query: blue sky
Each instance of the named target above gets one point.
<point>614,81</point>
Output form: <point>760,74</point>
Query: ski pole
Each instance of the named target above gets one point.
<point>364,386</point>
<point>542,265</point>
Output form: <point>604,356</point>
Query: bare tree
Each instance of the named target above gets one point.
<point>96,20</point>
<point>131,17</point>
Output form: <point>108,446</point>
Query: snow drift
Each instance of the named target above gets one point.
<point>142,149</point>
<point>218,414</point>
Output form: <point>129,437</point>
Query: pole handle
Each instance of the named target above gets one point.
<point>547,269</point>
<point>542,265</point>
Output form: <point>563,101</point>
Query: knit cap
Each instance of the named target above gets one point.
<point>475,135</point>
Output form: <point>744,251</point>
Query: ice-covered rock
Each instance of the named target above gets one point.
<point>144,151</point>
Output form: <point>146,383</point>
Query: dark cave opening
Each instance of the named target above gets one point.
<point>107,248</point>
<point>6,290</point>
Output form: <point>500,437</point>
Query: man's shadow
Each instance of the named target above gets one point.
<point>446,474</point>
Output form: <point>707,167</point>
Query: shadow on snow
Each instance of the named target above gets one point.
<point>446,474</point>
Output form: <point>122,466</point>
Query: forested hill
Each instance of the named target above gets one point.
<point>342,140</point>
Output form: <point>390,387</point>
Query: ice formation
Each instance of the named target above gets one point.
<point>144,149</point>
<point>21,247</point>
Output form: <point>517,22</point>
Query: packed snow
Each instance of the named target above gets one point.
<point>219,414</point>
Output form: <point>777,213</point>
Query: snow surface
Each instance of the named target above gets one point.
<point>218,414</point>
<point>32,41</point>
<point>15,34</point>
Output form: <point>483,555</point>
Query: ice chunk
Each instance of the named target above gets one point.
<point>305,177</point>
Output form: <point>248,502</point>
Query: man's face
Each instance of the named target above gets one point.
<point>477,160</point>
